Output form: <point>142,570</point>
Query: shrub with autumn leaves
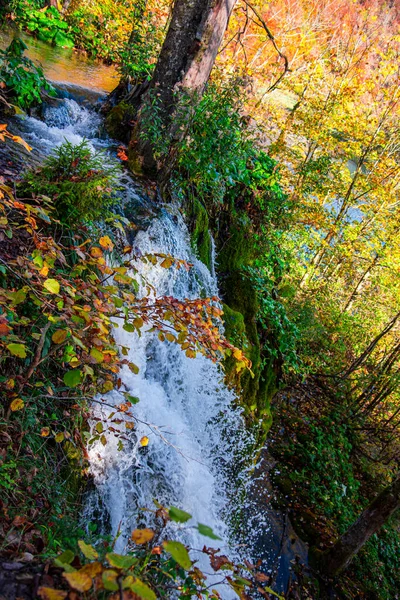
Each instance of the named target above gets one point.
<point>154,568</point>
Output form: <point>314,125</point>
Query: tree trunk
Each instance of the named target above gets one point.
<point>369,522</point>
<point>188,54</point>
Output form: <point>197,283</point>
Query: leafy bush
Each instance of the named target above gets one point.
<point>79,181</point>
<point>21,76</point>
<point>45,23</point>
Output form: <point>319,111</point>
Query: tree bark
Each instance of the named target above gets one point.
<point>369,522</point>
<point>188,54</point>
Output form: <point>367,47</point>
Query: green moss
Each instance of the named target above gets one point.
<point>118,121</point>
<point>199,224</point>
<point>255,389</point>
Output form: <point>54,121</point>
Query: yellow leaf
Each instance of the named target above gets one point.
<point>59,336</point>
<point>144,441</point>
<point>45,431</point>
<point>167,263</point>
<point>106,243</point>
<point>96,252</point>
<point>59,437</point>
<point>44,270</point>
<point>142,536</point>
<point>52,286</point>
<point>92,569</point>
<point>81,582</point>
<point>17,404</point>
<point>49,594</point>
<point>87,550</point>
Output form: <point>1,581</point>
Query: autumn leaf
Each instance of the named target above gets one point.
<point>17,404</point>
<point>17,350</point>
<point>97,355</point>
<point>87,550</point>
<point>167,263</point>
<point>47,593</point>
<point>59,437</point>
<point>142,590</point>
<point>106,243</point>
<point>142,536</point>
<point>45,432</point>
<point>81,582</point>
<point>144,441</point>
<point>59,336</point>
<point>96,252</point>
<point>52,286</point>
<point>110,580</point>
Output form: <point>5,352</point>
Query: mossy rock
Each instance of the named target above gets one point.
<point>237,250</point>
<point>199,227</point>
<point>118,121</point>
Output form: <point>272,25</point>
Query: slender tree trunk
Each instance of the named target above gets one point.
<point>369,522</point>
<point>188,54</point>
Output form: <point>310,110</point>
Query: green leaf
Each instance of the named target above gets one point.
<point>72,378</point>
<point>99,427</point>
<point>97,355</point>
<point>179,554</point>
<point>87,550</point>
<point>207,531</point>
<point>142,590</point>
<point>178,515</point>
<point>121,562</point>
<point>52,286</point>
<point>18,297</point>
<point>17,350</point>
<point>66,557</point>
<point>132,399</point>
<point>110,580</point>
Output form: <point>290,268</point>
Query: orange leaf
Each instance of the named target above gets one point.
<point>79,581</point>
<point>142,536</point>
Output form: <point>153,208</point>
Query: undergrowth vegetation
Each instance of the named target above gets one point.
<point>23,79</point>
<point>326,473</point>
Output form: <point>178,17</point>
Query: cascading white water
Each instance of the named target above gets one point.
<point>185,409</point>
<point>197,440</point>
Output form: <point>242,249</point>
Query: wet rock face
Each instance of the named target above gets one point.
<point>273,538</point>
<point>21,580</point>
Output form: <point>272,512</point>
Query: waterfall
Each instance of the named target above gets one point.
<point>195,458</point>
<point>195,433</point>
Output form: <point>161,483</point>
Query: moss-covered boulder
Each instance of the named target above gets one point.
<point>118,122</point>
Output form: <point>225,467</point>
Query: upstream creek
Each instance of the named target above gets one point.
<point>198,453</point>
